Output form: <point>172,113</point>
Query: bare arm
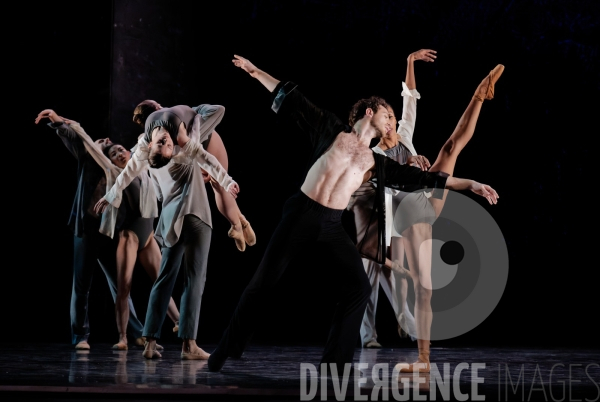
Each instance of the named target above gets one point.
<point>269,82</point>
<point>456,183</point>
<point>427,55</point>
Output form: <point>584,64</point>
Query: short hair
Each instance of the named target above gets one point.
<point>142,111</point>
<point>156,160</point>
<point>359,109</point>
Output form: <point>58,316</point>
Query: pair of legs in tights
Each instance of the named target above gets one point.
<point>417,239</point>
<point>149,256</point>
<point>240,231</point>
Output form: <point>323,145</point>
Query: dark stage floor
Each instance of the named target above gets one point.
<point>57,372</point>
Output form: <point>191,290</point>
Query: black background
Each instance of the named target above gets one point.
<point>534,143</point>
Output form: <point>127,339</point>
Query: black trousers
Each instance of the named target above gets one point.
<point>305,225</point>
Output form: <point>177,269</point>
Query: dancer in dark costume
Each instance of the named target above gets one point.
<point>340,162</point>
<point>90,245</point>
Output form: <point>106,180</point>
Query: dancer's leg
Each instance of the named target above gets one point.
<point>406,320</point>
<point>446,159</point>
<point>354,290</point>
<point>149,258</point>
<point>160,296</point>
<point>418,247</point>
<point>196,236</point>
<point>83,268</point>
<point>240,231</point>
<point>126,257</point>
<point>368,333</point>
<point>291,237</point>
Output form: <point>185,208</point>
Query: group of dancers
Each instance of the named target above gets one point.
<point>393,194</point>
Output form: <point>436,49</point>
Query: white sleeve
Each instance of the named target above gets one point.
<point>136,165</point>
<point>406,126</point>
<point>195,151</point>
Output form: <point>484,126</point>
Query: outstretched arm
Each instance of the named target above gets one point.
<point>136,165</point>
<point>64,130</point>
<point>456,183</point>
<point>269,82</point>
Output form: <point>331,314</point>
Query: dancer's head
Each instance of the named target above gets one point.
<point>143,110</point>
<point>161,147</point>
<point>103,142</point>
<point>117,154</point>
<point>393,123</point>
<point>374,110</point>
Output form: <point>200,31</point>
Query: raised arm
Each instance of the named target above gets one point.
<point>269,82</point>
<point>64,131</point>
<point>406,126</point>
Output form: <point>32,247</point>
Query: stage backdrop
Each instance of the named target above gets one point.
<point>532,143</point>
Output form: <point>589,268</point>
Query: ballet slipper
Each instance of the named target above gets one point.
<point>141,341</point>
<point>176,327</point>
<point>485,90</point>
<point>400,270</point>
<point>373,344</point>
<point>249,234</point>
<point>83,345</point>
<point>198,354</point>
<point>120,346</point>
<point>150,353</point>
<point>238,236</point>
<point>416,367</point>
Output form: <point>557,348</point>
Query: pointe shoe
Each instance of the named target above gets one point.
<point>199,355</point>
<point>238,236</point>
<point>485,90</point>
<point>83,345</point>
<point>249,234</point>
<point>400,270</point>
<point>416,367</point>
<point>150,353</point>
<point>120,346</point>
<point>176,327</point>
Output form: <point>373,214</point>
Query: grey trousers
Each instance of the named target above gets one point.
<point>384,277</point>
<point>87,251</point>
<point>193,243</point>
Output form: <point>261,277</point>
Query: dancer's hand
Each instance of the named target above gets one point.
<point>234,189</point>
<point>485,191</point>
<point>418,161</point>
<point>427,55</point>
<point>50,114</point>
<point>245,65</point>
<point>100,206</point>
<point>205,176</point>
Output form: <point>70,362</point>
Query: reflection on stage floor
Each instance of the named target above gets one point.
<point>58,372</point>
